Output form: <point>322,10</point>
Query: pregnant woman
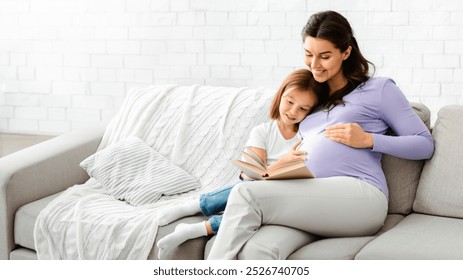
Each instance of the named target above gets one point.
<point>344,141</point>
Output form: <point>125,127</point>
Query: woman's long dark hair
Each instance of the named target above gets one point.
<point>332,26</point>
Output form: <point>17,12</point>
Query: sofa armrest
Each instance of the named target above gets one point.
<point>39,171</point>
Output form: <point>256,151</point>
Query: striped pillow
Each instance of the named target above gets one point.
<point>133,172</point>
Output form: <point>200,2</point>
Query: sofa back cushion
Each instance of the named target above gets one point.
<point>440,190</point>
<point>403,175</point>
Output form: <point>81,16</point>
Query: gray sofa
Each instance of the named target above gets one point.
<point>425,218</point>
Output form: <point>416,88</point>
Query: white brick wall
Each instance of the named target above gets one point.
<point>67,63</point>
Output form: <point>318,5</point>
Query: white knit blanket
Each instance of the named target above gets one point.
<point>199,128</point>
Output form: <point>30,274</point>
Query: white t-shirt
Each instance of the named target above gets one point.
<point>267,136</point>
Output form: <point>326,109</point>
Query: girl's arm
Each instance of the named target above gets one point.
<point>261,153</point>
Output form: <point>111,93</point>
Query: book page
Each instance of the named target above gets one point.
<point>250,170</point>
<point>253,159</point>
<point>291,170</point>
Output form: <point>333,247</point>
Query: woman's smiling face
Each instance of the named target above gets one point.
<point>324,60</point>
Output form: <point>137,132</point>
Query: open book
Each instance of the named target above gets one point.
<point>255,168</point>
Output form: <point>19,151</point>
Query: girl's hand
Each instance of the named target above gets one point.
<point>296,154</point>
<point>292,155</point>
<point>350,134</point>
<point>246,177</point>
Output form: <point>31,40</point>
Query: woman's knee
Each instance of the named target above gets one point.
<point>240,191</point>
<point>254,250</point>
<point>274,242</point>
<point>259,247</point>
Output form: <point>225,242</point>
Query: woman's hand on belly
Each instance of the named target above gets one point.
<point>350,134</point>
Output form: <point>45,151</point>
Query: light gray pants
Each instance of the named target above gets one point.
<point>329,207</point>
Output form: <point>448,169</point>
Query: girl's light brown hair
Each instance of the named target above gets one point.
<point>302,80</point>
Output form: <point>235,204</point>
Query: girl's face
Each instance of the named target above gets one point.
<point>295,105</point>
<point>324,60</point>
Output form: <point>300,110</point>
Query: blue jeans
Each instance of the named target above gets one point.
<point>214,202</point>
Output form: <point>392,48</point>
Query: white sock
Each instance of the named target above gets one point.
<point>182,233</point>
<point>173,213</point>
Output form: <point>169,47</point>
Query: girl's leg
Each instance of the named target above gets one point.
<point>208,203</point>
<point>214,223</point>
<point>331,207</point>
<point>214,202</point>
<point>182,233</point>
<point>173,213</point>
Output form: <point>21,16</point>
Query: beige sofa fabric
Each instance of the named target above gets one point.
<point>341,248</point>
<point>39,171</point>
<point>24,221</point>
<point>403,175</point>
<point>440,190</point>
<point>402,178</point>
<point>23,254</point>
<point>418,237</point>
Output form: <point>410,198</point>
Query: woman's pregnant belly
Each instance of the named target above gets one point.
<point>327,158</point>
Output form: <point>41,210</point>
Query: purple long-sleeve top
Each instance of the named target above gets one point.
<point>375,105</point>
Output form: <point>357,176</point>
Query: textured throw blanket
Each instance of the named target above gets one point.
<point>198,128</point>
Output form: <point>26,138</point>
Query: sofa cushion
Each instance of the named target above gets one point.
<point>423,112</point>
<point>24,221</point>
<point>403,175</point>
<point>440,190</point>
<point>27,215</point>
<point>418,237</point>
<point>23,254</point>
<point>134,172</point>
<point>341,248</point>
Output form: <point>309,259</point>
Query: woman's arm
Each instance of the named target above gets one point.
<point>413,140</point>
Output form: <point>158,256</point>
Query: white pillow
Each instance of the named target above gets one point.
<point>132,171</point>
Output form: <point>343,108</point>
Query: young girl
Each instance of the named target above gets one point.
<point>271,141</point>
